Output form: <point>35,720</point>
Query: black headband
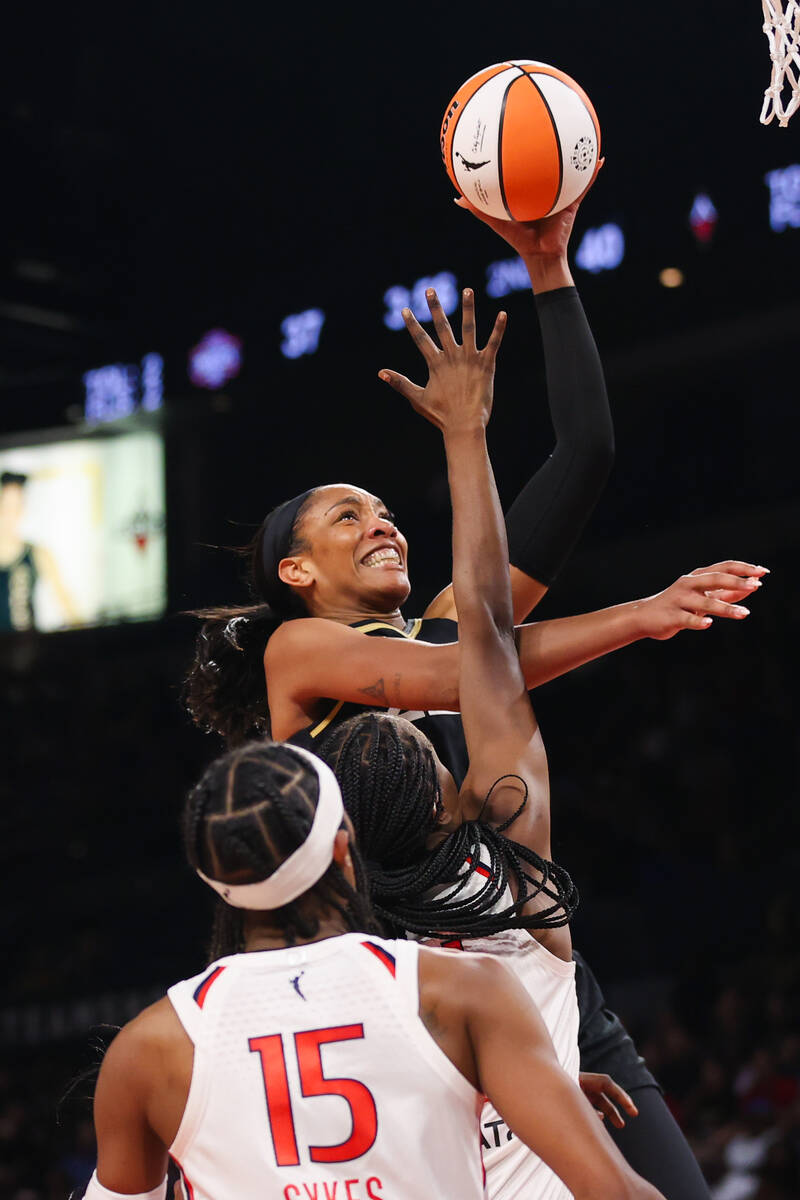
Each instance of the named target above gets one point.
<point>276,542</point>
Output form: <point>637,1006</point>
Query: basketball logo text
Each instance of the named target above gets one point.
<point>445,123</point>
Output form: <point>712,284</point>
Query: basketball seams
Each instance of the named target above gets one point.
<point>500,145</point>
<point>537,68</point>
<point>495,70</point>
<point>557,140</point>
<point>536,145</point>
<point>462,109</point>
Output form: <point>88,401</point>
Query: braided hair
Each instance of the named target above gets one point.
<point>391,791</point>
<point>251,809</point>
<point>225,691</point>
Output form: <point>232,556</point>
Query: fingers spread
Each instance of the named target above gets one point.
<point>426,346</point>
<point>496,336</point>
<point>440,321</point>
<point>411,391</point>
<point>468,318</point>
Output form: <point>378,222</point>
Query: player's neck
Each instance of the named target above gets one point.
<point>352,616</point>
<point>260,934</point>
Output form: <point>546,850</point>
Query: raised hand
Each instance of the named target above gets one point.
<point>546,238</point>
<point>695,599</point>
<point>460,387</point>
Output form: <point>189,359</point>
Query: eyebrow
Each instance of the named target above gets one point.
<point>353,500</point>
<point>346,500</point>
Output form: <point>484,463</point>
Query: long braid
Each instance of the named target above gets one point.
<point>252,808</point>
<point>391,791</point>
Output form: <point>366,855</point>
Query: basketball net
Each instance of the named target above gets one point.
<point>782,27</point>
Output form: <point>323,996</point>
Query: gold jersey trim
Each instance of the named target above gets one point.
<point>410,635</point>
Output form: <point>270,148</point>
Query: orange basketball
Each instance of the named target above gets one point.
<point>520,140</point>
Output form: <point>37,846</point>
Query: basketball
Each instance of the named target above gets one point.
<point>520,140</point>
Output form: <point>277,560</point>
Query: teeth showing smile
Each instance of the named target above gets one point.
<point>378,557</point>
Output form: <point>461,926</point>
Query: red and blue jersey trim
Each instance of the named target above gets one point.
<point>188,1190</point>
<point>203,988</point>
<point>480,869</point>
<point>388,960</point>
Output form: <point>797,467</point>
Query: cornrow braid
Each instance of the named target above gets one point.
<point>250,810</point>
<point>391,791</point>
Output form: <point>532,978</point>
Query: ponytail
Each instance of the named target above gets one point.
<point>225,691</point>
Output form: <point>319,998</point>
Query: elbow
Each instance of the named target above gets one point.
<point>597,457</point>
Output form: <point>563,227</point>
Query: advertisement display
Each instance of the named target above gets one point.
<point>82,529</point>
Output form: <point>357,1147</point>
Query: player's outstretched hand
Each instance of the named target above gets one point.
<point>546,238</point>
<point>694,600</point>
<point>607,1097</point>
<point>460,387</point>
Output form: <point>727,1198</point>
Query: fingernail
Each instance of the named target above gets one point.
<point>765,570</point>
<point>741,610</point>
<point>382,375</point>
<point>753,583</point>
<point>467,293</point>
<point>429,292</point>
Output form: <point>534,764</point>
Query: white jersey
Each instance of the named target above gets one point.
<point>315,1079</point>
<point>513,1172</point>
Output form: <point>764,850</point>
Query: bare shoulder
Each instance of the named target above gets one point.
<point>306,634</point>
<point>292,635</point>
<point>458,977</point>
<point>155,1030</point>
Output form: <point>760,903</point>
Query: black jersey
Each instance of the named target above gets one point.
<point>443,729</point>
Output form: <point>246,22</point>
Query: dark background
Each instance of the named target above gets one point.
<point>172,172</point>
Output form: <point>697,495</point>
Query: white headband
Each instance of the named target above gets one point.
<point>307,864</point>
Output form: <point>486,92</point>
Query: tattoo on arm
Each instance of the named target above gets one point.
<point>376,690</point>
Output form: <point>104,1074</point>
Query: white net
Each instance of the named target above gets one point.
<point>782,27</point>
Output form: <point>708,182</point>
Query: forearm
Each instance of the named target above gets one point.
<point>480,550</point>
<point>547,273</point>
<point>548,649</point>
<point>547,518</point>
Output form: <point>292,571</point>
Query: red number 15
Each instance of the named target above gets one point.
<point>313,1083</point>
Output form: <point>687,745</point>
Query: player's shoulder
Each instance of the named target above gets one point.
<point>145,1038</point>
<point>306,634</point>
<point>461,969</point>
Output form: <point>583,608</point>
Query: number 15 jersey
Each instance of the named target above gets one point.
<point>315,1079</point>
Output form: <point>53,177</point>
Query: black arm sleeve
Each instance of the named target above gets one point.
<point>547,518</point>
